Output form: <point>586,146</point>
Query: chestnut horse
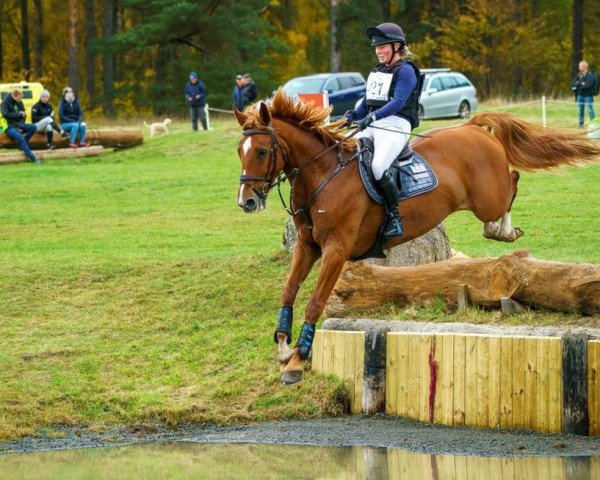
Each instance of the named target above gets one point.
<point>337,220</point>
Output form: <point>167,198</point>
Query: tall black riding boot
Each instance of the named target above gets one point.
<point>389,190</point>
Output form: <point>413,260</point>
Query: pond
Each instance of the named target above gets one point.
<point>181,459</point>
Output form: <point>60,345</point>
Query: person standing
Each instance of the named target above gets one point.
<point>71,118</point>
<point>42,115</point>
<point>249,90</point>
<point>392,104</point>
<point>584,88</point>
<point>237,95</point>
<point>195,94</point>
<point>13,110</point>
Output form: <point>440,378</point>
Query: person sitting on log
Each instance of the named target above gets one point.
<point>42,115</point>
<point>71,118</point>
<point>13,111</point>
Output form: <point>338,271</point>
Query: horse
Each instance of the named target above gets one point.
<point>335,218</point>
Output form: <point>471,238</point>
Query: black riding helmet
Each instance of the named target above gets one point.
<point>386,33</point>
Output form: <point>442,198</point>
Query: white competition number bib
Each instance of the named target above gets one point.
<point>378,86</point>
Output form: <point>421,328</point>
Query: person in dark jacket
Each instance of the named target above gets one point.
<point>249,90</point>
<point>195,94</point>
<point>388,112</point>
<point>42,115</point>
<point>583,86</point>
<point>13,110</point>
<point>237,95</point>
<point>71,118</point>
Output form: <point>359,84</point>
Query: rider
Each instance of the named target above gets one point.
<point>391,103</point>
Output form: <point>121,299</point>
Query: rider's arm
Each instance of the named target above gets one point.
<point>406,82</point>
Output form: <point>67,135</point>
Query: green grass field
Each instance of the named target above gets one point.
<point>133,288</point>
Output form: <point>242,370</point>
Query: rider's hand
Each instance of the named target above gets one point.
<point>348,118</point>
<point>365,122</point>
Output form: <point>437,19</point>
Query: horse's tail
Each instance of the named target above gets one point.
<point>531,147</point>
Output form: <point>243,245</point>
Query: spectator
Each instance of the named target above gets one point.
<point>195,93</point>
<point>238,98</point>
<point>583,85</point>
<point>42,115</point>
<point>249,90</point>
<point>71,118</point>
<point>13,111</point>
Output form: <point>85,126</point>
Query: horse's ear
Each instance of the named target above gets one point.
<point>241,117</point>
<point>263,114</point>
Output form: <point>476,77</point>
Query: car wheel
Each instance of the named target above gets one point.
<point>464,111</point>
<point>421,111</point>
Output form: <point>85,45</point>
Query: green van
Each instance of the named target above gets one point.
<point>31,95</point>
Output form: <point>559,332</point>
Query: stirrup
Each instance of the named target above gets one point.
<point>392,221</point>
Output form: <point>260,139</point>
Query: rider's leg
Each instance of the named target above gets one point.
<point>388,145</point>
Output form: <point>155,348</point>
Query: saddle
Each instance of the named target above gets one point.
<point>413,174</point>
<point>413,177</point>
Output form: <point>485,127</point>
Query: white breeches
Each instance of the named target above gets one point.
<point>388,145</point>
<point>44,124</point>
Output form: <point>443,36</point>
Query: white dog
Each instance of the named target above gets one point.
<point>159,127</point>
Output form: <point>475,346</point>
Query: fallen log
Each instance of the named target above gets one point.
<point>18,157</point>
<point>566,287</point>
<point>116,138</point>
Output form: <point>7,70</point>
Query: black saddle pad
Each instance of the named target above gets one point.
<point>413,174</point>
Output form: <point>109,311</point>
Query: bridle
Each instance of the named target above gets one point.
<point>270,180</point>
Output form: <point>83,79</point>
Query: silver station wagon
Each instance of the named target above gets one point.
<point>446,94</point>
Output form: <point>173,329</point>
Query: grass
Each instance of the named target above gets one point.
<point>133,288</point>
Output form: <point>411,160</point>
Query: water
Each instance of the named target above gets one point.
<point>182,460</point>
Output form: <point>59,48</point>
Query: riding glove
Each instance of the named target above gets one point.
<point>365,122</point>
<point>348,118</point>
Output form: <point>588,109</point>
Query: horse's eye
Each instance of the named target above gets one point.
<point>262,152</point>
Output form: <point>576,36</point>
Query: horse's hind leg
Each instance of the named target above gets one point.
<point>504,231</point>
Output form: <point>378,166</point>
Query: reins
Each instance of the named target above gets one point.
<point>271,182</point>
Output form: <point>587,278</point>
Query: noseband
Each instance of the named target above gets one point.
<point>270,175</point>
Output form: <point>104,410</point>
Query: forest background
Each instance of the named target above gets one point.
<point>132,57</point>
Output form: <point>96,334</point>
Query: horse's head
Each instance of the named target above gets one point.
<point>261,156</point>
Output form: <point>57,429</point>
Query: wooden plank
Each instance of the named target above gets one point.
<point>542,387</point>
<point>575,384</point>
<point>359,373</point>
<point>328,344</point>
<point>392,373</point>
<point>482,390</point>
<point>317,352</point>
<point>518,376</point>
<point>403,383</point>
<point>556,469</point>
<point>494,468</point>
<point>460,461</point>
<point>471,380</point>
<point>506,382</point>
<point>447,383</point>
<point>462,294</point>
<point>594,387</point>
<point>414,376</point>
<point>439,378</point>
<point>459,380</point>
<point>349,363</point>
<point>508,465</point>
<point>530,383</point>
<point>555,385</point>
<point>424,345</point>
<point>494,356</point>
<point>339,345</point>
<point>595,467</point>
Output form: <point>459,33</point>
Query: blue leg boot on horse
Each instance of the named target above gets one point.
<point>390,193</point>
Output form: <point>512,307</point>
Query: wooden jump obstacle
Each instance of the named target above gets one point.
<point>19,157</point>
<point>494,377</point>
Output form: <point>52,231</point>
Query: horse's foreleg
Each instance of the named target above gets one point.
<point>304,257</point>
<point>504,231</point>
<point>331,268</point>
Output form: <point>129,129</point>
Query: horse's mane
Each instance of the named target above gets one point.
<point>305,115</point>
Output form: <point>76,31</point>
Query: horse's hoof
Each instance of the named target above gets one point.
<point>519,232</point>
<point>290,377</point>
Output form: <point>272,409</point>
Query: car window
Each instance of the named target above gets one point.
<point>346,82</point>
<point>332,85</point>
<point>461,81</point>
<point>437,84</point>
<point>448,82</point>
<point>303,85</point>
<point>358,80</point>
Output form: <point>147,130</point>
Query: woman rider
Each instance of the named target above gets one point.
<point>391,102</point>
